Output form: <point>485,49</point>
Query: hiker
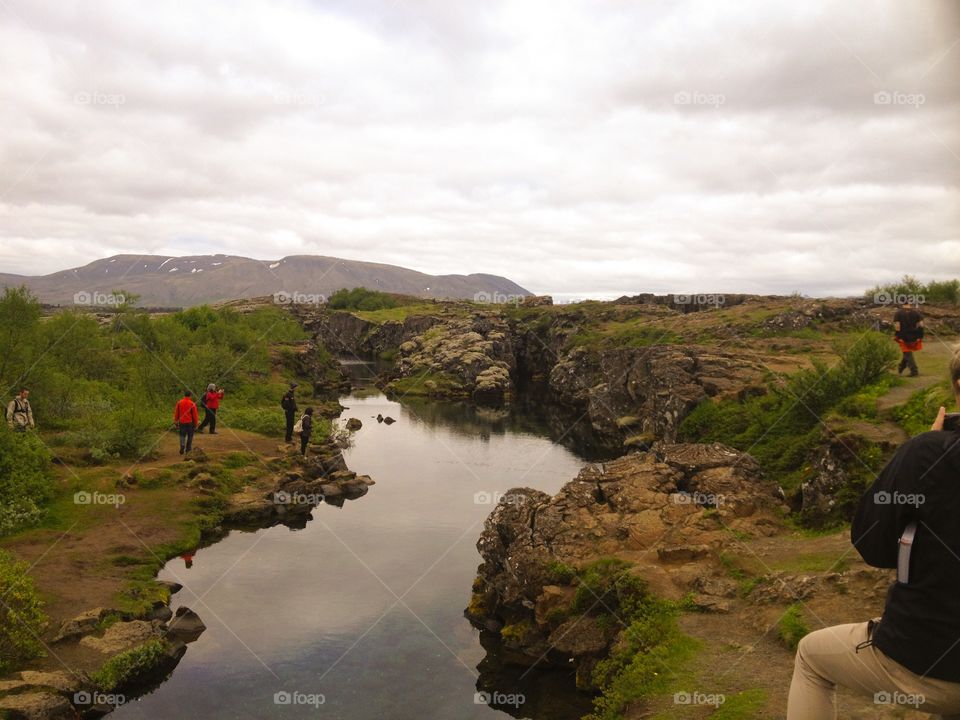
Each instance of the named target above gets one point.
<point>210,402</point>
<point>908,332</point>
<point>289,404</point>
<point>19,412</point>
<point>306,429</point>
<point>185,416</point>
<point>908,521</point>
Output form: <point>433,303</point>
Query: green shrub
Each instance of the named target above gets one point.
<point>918,413</point>
<point>791,627</point>
<point>21,614</point>
<point>939,291</point>
<point>26,480</point>
<point>361,299</point>
<point>120,670</point>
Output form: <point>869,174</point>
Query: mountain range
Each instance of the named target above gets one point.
<point>164,281</point>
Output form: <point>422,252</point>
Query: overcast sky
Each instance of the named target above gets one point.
<point>590,148</point>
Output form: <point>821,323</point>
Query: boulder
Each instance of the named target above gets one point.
<point>354,424</point>
<point>186,626</point>
<point>122,636</point>
<point>37,706</point>
<point>83,624</point>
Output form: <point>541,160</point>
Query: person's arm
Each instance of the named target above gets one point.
<point>30,415</point>
<point>196,415</point>
<point>11,407</point>
<point>176,413</point>
<point>879,521</point>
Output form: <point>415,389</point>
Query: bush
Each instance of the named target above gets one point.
<point>939,291</point>
<point>131,434</point>
<point>21,614</point>
<point>361,299</point>
<point>26,481</point>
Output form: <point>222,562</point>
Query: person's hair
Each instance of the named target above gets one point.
<point>955,369</point>
<point>309,411</point>
<point>211,387</point>
<point>187,393</point>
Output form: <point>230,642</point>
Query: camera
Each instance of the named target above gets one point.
<point>951,421</point>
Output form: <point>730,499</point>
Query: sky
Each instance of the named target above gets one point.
<point>589,148</point>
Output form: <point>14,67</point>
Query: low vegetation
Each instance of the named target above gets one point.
<point>104,390</point>
<point>781,428</point>
<point>22,619</point>
<point>120,670</point>
<point>943,291</point>
<point>792,627</point>
<point>915,414</point>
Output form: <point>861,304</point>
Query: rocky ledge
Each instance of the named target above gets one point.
<point>321,477</point>
<point>669,512</point>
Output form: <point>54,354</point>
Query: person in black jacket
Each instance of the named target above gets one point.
<point>306,422</point>
<point>911,655</point>
<point>289,404</point>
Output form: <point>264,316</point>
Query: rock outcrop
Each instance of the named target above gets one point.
<point>645,393</point>
<point>669,511</point>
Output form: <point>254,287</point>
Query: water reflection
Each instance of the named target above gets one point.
<point>364,603</point>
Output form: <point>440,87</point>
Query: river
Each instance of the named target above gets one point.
<point>359,614</point>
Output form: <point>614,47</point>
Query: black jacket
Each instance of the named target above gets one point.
<point>920,628</point>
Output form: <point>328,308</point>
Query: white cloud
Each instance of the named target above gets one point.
<point>582,147</point>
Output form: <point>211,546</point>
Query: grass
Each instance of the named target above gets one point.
<point>916,415</point>
<point>22,619</point>
<point>124,669</point>
<point>792,627</point>
<point>742,706</point>
<point>427,384</point>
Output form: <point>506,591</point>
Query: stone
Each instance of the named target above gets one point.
<point>83,624</point>
<point>579,636</point>
<point>37,706</point>
<point>186,624</point>
<point>122,636</point>
<point>354,424</point>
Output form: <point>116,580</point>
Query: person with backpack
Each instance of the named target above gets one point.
<point>305,428</point>
<point>210,402</point>
<point>289,404</point>
<point>911,655</point>
<point>185,416</point>
<point>908,332</point>
<point>19,412</point>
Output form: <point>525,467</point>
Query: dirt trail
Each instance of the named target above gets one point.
<point>740,650</point>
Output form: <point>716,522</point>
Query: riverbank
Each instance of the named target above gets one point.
<point>111,528</point>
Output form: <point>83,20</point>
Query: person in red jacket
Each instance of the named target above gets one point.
<point>210,404</point>
<point>185,416</point>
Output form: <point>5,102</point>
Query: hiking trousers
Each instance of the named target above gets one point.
<point>290,424</point>
<point>209,418</point>
<point>186,437</point>
<point>909,362</point>
<point>829,657</point>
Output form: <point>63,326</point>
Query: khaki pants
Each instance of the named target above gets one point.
<point>828,658</point>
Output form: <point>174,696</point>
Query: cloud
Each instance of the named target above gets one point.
<point>583,148</point>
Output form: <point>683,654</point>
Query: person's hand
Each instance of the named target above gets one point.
<point>938,423</point>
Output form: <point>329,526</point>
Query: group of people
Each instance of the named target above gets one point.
<point>186,416</point>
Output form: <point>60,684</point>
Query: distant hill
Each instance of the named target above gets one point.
<point>164,281</point>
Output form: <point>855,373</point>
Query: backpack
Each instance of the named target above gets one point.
<point>298,427</point>
<point>285,401</point>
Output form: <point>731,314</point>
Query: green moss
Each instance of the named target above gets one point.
<point>427,384</point>
<point>517,632</point>
<point>123,669</point>
<point>792,627</point>
<point>559,573</point>
<point>916,415</point>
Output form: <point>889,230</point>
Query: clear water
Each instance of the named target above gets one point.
<point>364,605</point>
